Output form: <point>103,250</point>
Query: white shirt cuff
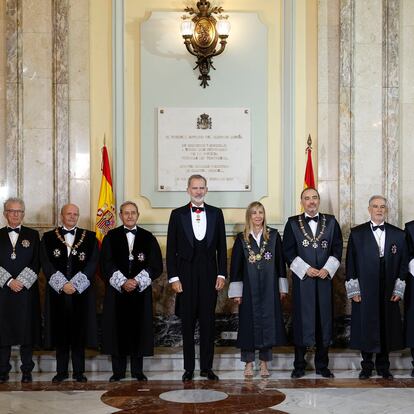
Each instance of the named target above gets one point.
<point>399,288</point>
<point>80,282</point>
<point>283,285</point>
<point>27,277</point>
<point>299,267</point>
<point>235,290</point>
<point>411,267</point>
<point>332,265</point>
<point>223,277</point>
<point>143,280</point>
<point>173,279</point>
<point>57,281</point>
<point>117,280</point>
<point>352,288</point>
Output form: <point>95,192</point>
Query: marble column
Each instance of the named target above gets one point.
<point>46,119</point>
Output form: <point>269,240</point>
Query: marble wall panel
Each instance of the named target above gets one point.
<point>407,110</point>
<point>37,16</point>
<point>37,110</point>
<point>2,102</point>
<point>37,50</point>
<point>79,190</point>
<point>38,187</point>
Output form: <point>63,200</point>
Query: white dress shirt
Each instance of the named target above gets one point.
<point>379,238</point>
<point>69,239</point>
<point>199,222</point>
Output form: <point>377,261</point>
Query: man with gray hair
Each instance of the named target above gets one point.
<point>19,293</point>
<point>376,268</point>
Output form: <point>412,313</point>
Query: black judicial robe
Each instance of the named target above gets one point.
<point>70,319</point>
<point>20,312</point>
<point>310,293</point>
<point>409,290</point>
<point>127,316</point>
<point>260,313</point>
<point>180,253</point>
<point>363,263</point>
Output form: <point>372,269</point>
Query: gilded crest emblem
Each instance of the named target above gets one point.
<point>267,256</point>
<point>324,244</point>
<point>82,256</point>
<point>305,243</point>
<point>394,249</point>
<point>25,243</point>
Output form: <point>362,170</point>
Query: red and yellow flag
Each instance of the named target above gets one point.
<point>309,177</point>
<point>105,216</point>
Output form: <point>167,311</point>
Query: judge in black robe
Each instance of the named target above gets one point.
<point>376,268</point>
<point>258,283</point>
<point>19,292</point>
<point>69,257</point>
<point>312,245</point>
<point>130,260</point>
<point>409,292</point>
<point>197,267</point>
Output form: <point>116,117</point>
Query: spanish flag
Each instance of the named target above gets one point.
<point>309,177</point>
<point>105,216</point>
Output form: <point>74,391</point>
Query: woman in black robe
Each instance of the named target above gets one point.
<point>258,284</point>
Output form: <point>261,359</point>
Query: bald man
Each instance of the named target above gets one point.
<point>69,257</point>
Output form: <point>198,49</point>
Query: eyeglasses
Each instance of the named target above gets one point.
<point>15,211</point>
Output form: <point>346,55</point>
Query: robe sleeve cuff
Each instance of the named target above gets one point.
<point>235,290</point>
<point>4,276</point>
<point>411,267</point>
<point>399,288</point>
<point>299,267</point>
<point>143,280</point>
<point>283,285</point>
<point>57,281</point>
<point>173,279</point>
<point>352,288</point>
<point>117,280</point>
<point>27,277</point>
<point>80,282</point>
<point>332,265</point>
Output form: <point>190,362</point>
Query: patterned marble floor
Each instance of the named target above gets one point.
<point>279,394</point>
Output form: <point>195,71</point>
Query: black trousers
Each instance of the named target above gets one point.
<point>321,352</point>
<point>382,360</point>
<point>202,308</point>
<point>77,354</point>
<point>26,356</point>
<point>119,363</point>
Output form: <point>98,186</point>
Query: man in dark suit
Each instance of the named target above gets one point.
<point>69,257</point>
<point>197,268</point>
<point>376,268</point>
<point>312,245</point>
<point>130,260</point>
<point>19,293</point>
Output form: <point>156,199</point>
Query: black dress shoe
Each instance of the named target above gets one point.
<point>385,373</point>
<point>4,378</point>
<point>60,377</point>
<point>325,372</point>
<point>297,373</point>
<point>140,376</point>
<point>365,374</point>
<point>26,377</point>
<point>188,376</point>
<point>116,378</point>
<point>80,378</point>
<point>209,374</point>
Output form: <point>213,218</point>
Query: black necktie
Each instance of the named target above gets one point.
<point>17,230</point>
<point>381,227</point>
<point>133,231</point>
<point>197,209</point>
<point>65,232</point>
<point>308,219</point>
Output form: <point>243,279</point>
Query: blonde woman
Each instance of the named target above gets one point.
<point>258,284</point>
